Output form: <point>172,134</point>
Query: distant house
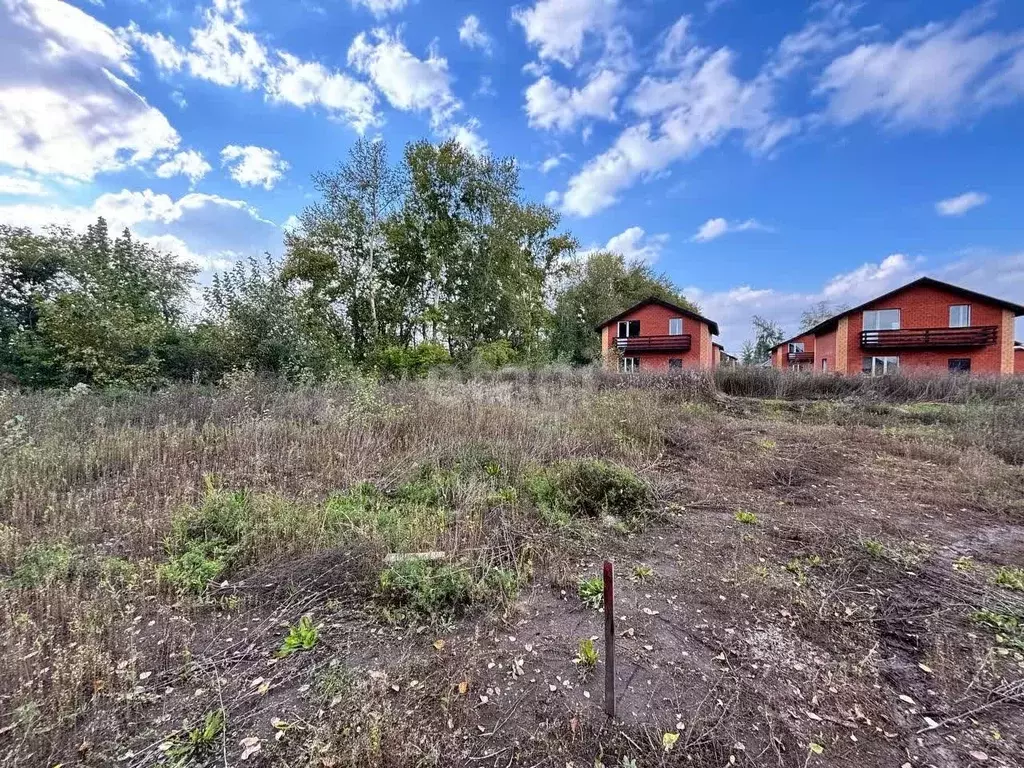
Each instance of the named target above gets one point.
<point>721,357</point>
<point>925,324</point>
<point>658,336</point>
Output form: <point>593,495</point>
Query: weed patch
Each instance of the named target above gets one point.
<point>591,591</point>
<point>301,637</point>
<point>43,564</point>
<point>588,488</point>
<point>438,591</point>
<point>1010,578</point>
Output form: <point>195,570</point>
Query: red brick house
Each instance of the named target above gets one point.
<point>925,324</point>
<point>655,335</point>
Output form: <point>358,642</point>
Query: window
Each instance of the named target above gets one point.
<point>959,365</point>
<point>880,366</point>
<point>796,347</point>
<point>628,328</point>
<point>824,364</point>
<point>960,316</point>
<point>675,326</point>
<point>882,320</point>
<point>675,362</point>
<point>629,364</point>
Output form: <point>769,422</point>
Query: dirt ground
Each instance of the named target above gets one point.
<point>809,597</point>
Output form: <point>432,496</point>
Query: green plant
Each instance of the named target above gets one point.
<point>1007,627</point>
<point>588,488</point>
<point>193,744</point>
<point>1011,578</point>
<point>430,589</point>
<point>745,517</point>
<point>586,655</point>
<point>43,564</point>
<point>642,572</point>
<point>301,637</point>
<point>591,591</point>
<point>874,548</point>
<point>963,563</point>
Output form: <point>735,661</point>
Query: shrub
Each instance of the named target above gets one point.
<point>591,591</point>
<point>44,564</point>
<point>588,488</point>
<point>427,588</point>
<point>403,524</point>
<point>494,354</point>
<point>1011,578</point>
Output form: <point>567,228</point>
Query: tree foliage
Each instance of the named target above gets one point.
<point>819,312</point>
<point>767,334</point>
<point>400,268</point>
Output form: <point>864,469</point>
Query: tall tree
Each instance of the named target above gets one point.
<point>600,286</point>
<point>766,335</point>
<point>819,312</point>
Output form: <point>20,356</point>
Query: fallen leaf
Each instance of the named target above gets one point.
<point>463,687</point>
<point>668,740</point>
<point>250,746</point>
<point>439,645</point>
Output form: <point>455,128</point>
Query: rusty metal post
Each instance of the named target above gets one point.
<point>609,640</point>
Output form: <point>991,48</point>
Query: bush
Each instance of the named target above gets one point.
<point>397,362</point>
<point>427,588</point>
<point>43,564</point>
<point>588,488</point>
<point>494,355</point>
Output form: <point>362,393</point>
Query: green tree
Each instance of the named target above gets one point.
<point>598,287</point>
<point>767,334</point>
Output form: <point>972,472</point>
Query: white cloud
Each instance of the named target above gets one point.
<point>471,32</point>
<point>961,204</point>
<point>680,116</point>
<point>674,45</point>
<point>381,8</point>
<point>21,186</point>
<point>189,163</point>
<point>931,77</point>
<point>553,198</point>
<point>467,134</point>
<point>559,28</point>
<point>549,164</point>
<point>222,52</point>
<point>291,224</point>
<point>65,107</point>
<point>636,245</point>
<point>733,308</point>
<point>206,230</point>
<point>302,83</point>
<point>715,228</point>
<point>253,166</point>
<point>551,105</point>
<point>408,83</point>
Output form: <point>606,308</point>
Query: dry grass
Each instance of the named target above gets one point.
<point>110,658</point>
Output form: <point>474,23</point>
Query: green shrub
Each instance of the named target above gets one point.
<point>588,488</point>
<point>494,355</point>
<point>301,637</point>
<point>403,524</point>
<point>44,564</point>
<point>430,589</point>
<point>591,591</point>
<point>205,543</point>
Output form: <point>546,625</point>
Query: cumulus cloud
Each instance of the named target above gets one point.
<point>253,166</point>
<point>467,135</point>
<point>65,105</point>
<point>205,230</point>
<point>189,163</point>
<point>930,77</point>
<point>21,186</point>
<point>408,83</point>
<point>380,8</point>
<point>715,228</point>
<point>471,33</point>
<point>558,29</point>
<point>551,105</point>
<point>550,163</point>
<point>961,204</point>
<point>633,243</point>
<point>221,51</point>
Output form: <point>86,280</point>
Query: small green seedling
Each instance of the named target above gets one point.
<point>586,655</point>
<point>301,637</point>
<point>591,591</point>
<point>642,572</point>
<point>965,563</point>
<point>745,517</point>
<point>199,741</point>
<point>874,548</point>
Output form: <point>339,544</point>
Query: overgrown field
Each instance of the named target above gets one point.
<point>406,574</point>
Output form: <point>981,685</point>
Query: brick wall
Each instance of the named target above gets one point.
<point>925,306</point>
<point>825,349</point>
<point>1018,361</point>
<point>782,353</point>
<point>654,322</point>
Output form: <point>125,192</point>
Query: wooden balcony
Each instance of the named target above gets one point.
<point>800,357</point>
<point>679,342</point>
<point>929,338</point>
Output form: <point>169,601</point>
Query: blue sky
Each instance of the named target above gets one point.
<point>763,155</point>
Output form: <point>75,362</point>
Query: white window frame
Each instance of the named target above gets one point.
<point>629,364</point>
<point>675,326</point>
<point>960,307</point>
<point>796,347</point>
<point>890,364</point>
<point>624,326</point>
<point>874,315</point>
<point>824,365</point>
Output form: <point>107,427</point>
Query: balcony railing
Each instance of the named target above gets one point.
<point>679,342</point>
<point>800,357</point>
<point>974,336</point>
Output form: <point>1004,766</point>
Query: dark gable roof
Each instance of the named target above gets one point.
<point>668,305</point>
<point>830,323</point>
